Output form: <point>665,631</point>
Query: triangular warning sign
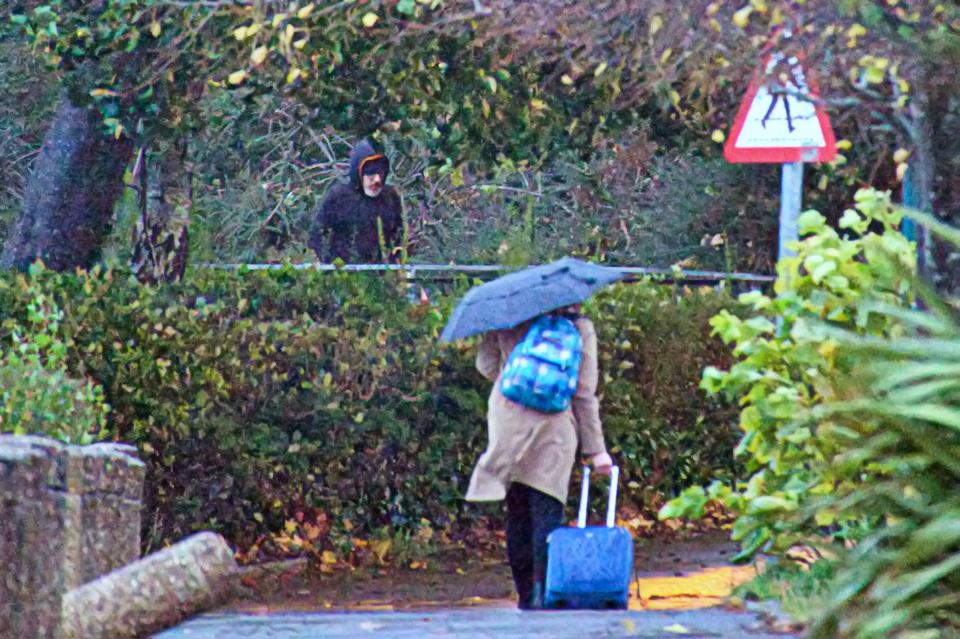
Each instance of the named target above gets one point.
<point>781,122</point>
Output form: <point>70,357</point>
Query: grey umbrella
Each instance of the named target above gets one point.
<point>522,295</point>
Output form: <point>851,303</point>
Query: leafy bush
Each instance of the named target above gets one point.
<point>653,343</point>
<point>895,419</point>
<point>39,396</point>
<point>802,589</point>
<point>321,405</point>
<point>782,366</point>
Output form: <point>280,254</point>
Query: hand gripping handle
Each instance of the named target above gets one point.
<point>611,499</point>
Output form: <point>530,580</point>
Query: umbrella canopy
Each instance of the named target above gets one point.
<point>522,295</point>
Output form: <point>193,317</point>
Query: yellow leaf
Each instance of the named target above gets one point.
<point>240,33</point>
<point>901,155</point>
<point>381,548</point>
<point>714,7</point>
<point>299,44</point>
<point>305,11</point>
<point>155,29</point>
<point>904,86</point>
<point>677,629</point>
<point>290,526</point>
<point>537,104</point>
<point>99,93</point>
<point>874,75</point>
<point>674,97</point>
<point>259,55</point>
<point>293,74</point>
<point>369,19</point>
<point>277,19</point>
<point>656,23</point>
<point>742,16</point>
<point>901,171</point>
<point>856,30</point>
<point>253,29</point>
<point>843,145</point>
<point>823,183</point>
<point>460,571</point>
<point>328,557</point>
<point>828,348</point>
<point>600,69</point>
<point>237,77</point>
<point>327,379</point>
<point>718,136</point>
<point>665,55</point>
<point>759,5</point>
<point>566,79</point>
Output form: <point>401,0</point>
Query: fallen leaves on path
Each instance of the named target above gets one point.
<point>698,589</point>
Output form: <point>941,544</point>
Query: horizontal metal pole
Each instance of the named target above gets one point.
<point>414,269</point>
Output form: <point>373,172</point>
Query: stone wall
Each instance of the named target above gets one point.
<point>68,514</point>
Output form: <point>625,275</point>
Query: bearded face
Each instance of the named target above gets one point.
<point>372,184</point>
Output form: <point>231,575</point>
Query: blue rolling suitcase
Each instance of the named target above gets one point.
<point>590,567</point>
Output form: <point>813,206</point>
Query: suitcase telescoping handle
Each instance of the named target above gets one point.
<point>611,499</point>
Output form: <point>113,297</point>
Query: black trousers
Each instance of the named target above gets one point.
<point>531,516</point>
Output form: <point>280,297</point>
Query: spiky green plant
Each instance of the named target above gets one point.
<point>896,415</point>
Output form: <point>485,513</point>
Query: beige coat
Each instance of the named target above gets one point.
<point>527,446</point>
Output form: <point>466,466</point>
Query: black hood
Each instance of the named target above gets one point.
<point>365,150</point>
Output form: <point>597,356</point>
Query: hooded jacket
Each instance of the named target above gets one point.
<point>345,226</point>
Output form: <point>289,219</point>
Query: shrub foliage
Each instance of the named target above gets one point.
<point>781,367</point>
<point>266,400</point>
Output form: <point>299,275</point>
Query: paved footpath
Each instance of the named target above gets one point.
<point>466,623</point>
<point>679,593</point>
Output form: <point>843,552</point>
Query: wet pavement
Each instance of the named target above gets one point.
<point>493,621</point>
<point>680,591</point>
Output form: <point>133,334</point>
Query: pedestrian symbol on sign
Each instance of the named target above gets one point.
<point>773,103</point>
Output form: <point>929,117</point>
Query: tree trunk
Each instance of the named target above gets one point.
<point>160,237</point>
<point>68,203</point>
<point>156,592</point>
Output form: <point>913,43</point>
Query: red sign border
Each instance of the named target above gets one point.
<point>779,155</point>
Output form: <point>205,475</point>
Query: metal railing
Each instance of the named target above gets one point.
<point>441,271</point>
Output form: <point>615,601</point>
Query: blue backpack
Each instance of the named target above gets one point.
<point>543,368</point>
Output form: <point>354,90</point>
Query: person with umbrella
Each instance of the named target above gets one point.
<point>530,454</point>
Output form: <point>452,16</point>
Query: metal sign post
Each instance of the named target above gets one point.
<point>791,197</point>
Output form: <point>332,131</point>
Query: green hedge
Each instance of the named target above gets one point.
<point>262,398</point>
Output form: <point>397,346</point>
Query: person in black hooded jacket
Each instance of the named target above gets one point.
<point>346,225</point>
